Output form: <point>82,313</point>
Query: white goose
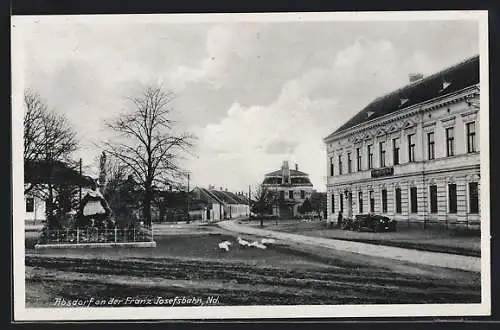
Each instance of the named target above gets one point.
<point>268,241</point>
<point>242,242</point>
<point>259,245</point>
<point>225,245</point>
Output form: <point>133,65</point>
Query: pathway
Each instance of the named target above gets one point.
<point>447,260</point>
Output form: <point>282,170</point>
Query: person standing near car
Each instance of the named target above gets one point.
<point>339,220</point>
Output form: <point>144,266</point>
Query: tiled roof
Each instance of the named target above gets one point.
<point>447,81</point>
<point>243,199</point>
<point>225,196</point>
<point>219,196</point>
<point>36,172</point>
<point>238,198</point>
<point>292,173</point>
<point>206,196</point>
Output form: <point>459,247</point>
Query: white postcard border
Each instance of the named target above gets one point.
<point>21,313</point>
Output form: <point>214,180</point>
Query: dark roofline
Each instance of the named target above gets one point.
<point>58,172</point>
<point>404,88</point>
<point>292,173</point>
<point>225,196</point>
<point>211,195</point>
<point>243,198</point>
<point>236,197</point>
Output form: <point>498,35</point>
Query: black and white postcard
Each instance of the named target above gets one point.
<point>242,166</point>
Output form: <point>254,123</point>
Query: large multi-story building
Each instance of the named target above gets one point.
<point>292,187</point>
<point>413,154</point>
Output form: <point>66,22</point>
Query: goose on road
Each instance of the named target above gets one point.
<point>225,245</point>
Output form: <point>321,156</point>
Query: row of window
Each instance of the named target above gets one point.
<point>433,199</point>
<point>450,150</point>
<point>290,194</point>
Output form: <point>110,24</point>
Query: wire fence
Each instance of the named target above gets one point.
<point>95,235</point>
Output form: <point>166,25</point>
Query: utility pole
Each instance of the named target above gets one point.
<point>249,201</point>
<point>188,193</point>
<point>277,206</point>
<point>188,197</point>
<point>80,185</point>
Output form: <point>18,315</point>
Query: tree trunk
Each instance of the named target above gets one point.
<point>163,211</point>
<point>147,208</point>
<point>49,212</point>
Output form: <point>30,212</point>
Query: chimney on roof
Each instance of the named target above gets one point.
<point>226,189</point>
<point>415,77</point>
<point>296,166</point>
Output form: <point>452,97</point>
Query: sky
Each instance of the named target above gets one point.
<point>253,93</point>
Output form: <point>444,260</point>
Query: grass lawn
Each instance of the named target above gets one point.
<point>447,241</point>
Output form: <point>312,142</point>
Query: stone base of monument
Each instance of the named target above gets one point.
<point>96,245</point>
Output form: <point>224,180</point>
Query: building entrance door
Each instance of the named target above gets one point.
<point>349,205</point>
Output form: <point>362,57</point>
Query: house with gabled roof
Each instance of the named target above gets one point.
<point>219,204</point>
<point>208,204</point>
<point>233,206</point>
<point>37,175</point>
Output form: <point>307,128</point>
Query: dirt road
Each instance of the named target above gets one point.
<point>191,265</point>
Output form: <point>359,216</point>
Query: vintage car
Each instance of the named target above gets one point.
<point>371,222</point>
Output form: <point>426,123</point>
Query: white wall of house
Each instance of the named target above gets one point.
<point>215,212</point>
<point>34,209</point>
<point>239,210</point>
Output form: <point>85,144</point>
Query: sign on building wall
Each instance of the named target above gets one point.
<point>381,172</point>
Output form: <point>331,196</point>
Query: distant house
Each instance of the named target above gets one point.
<point>218,204</point>
<point>234,207</point>
<point>208,205</point>
<point>242,206</point>
<point>292,186</point>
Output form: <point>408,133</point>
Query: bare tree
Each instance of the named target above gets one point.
<point>48,137</point>
<point>49,141</point>
<point>35,110</point>
<point>147,144</point>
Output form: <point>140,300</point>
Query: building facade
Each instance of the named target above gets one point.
<point>233,207</point>
<point>34,210</point>
<point>292,187</point>
<point>412,155</point>
<point>214,205</point>
<point>207,204</point>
